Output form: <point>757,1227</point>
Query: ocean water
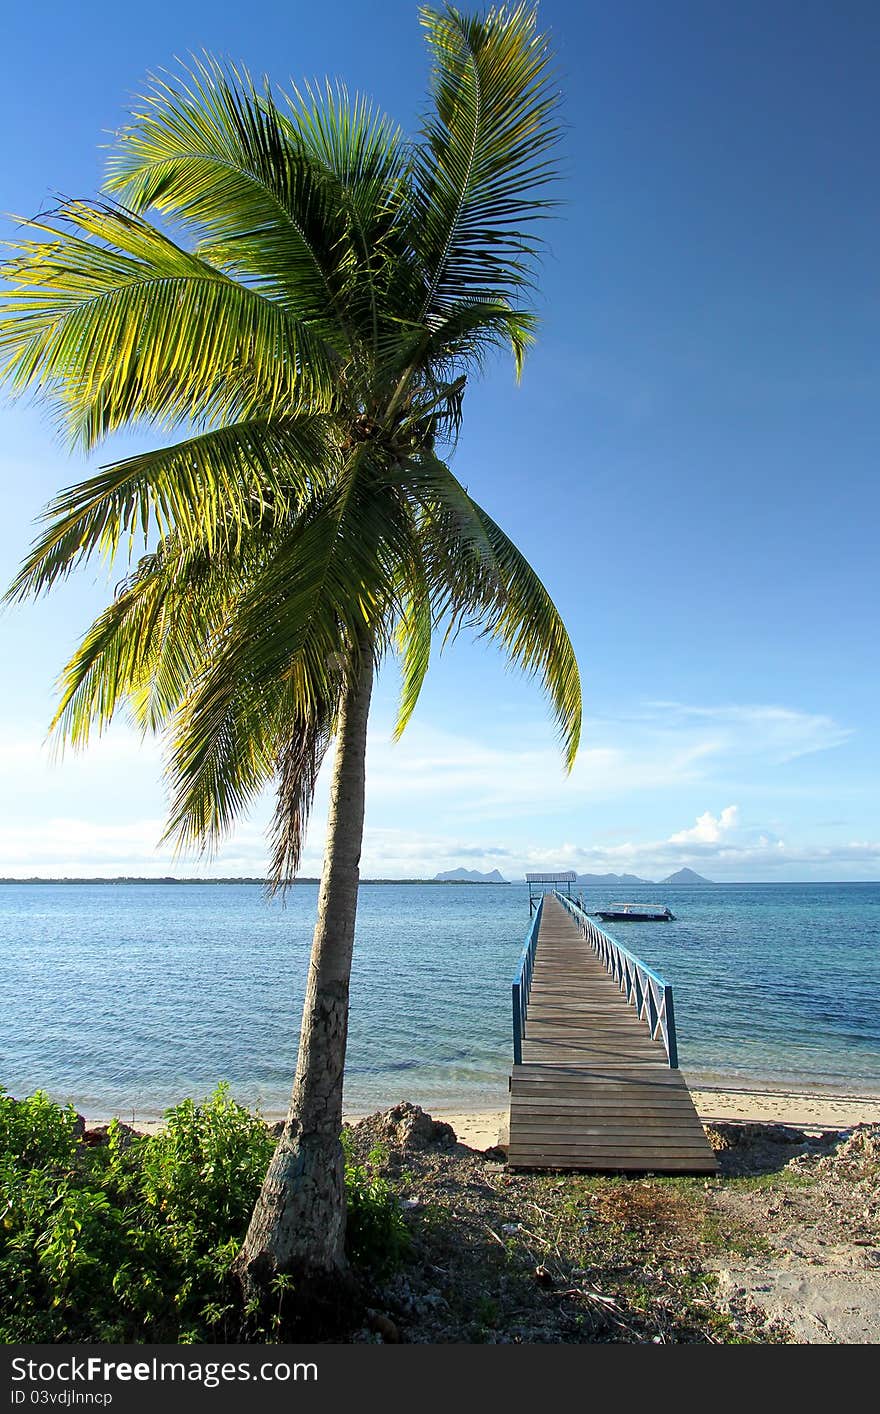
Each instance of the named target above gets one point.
<point>125,998</point>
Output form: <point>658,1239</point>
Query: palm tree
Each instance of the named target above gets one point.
<point>306,316</point>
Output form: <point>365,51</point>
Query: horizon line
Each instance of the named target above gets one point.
<point>408,879</point>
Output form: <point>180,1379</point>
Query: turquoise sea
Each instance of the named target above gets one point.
<point>124,998</point>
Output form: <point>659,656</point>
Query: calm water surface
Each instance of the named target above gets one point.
<point>125,998</point>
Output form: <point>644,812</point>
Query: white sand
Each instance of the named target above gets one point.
<point>481,1129</point>
<point>825,1110</point>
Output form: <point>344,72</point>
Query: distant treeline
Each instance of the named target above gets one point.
<point>236,879</point>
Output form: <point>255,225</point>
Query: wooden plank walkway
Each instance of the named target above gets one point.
<point>594,1091</point>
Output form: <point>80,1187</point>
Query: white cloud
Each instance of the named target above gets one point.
<point>724,860</point>
<point>437,799</point>
<point>665,746</point>
<point>76,847</point>
<point>72,847</point>
<point>779,734</point>
<point>115,768</point>
<point>709,828</point>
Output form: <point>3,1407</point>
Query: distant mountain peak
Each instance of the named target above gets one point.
<point>610,881</point>
<point>469,876</point>
<point>686,876</point>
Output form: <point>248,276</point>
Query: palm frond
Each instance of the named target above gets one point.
<point>332,576</point>
<point>207,489</point>
<point>212,150</point>
<point>470,329</point>
<point>210,797</point>
<point>484,158</point>
<point>365,164</point>
<point>307,737</point>
<point>114,323</point>
<point>301,203</point>
<point>413,642</point>
<point>480,579</point>
<point>150,644</point>
<point>109,663</point>
<point>150,649</point>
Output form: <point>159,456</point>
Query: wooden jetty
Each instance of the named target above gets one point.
<point>595,1081</point>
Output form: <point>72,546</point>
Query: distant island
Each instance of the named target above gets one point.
<point>594,881</point>
<point>450,876</point>
<point>235,879</point>
<point>686,876</point>
<point>473,876</point>
<point>613,881</point>
<point>469,876</point>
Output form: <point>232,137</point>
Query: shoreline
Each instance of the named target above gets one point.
<point>484,1127</point>
<point>802,1109</point>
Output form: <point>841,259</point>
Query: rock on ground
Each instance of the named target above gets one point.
<point>406,1126</point>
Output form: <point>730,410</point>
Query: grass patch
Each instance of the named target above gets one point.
<point>783,1178</point>
<point>576,1258</point>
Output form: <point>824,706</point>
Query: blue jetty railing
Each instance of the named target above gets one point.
<point>522,983</point>
<point>648,992</point>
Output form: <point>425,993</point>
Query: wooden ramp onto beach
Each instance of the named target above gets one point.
<point>595,1082</point>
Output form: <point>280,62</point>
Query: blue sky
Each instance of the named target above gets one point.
<point>690,462</point>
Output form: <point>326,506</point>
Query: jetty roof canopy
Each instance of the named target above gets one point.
<point>567,876</point>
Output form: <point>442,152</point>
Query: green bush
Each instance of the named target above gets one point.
<point>127,1242</point>
<point>376,1235</point>
<point>133,1241</point>
<point>37,1131</point>
<point>205,1167</point>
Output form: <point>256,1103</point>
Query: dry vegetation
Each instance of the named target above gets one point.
<point>506,1257</point>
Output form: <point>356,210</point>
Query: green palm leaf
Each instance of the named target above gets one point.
<point>213,787</point>
<point>330,578</point>
<point>413,643</point>
<point>208,489</point>
<point>479,578</point>
<point>484,157</point>
<point>151,643</point>
<point>138,328</point>
<point>307,736</point>
<point>364,162</point>
<point>211,150</point>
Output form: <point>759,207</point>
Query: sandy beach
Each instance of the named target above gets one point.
<point>827,1110</point>
<point>806,1110</point>
<point>481,1129</point>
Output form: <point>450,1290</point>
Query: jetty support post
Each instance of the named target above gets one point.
<point>671,1040</point>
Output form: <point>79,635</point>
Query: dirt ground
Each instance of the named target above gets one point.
<point>783,1246</point>
<point>815,1199</point>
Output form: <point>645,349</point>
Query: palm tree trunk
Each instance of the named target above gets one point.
<point>298,1224</point>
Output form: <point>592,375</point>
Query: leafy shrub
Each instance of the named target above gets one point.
<point>133,1241</point>
<point>204,1169</point>
<point>37,1131</point>
<point>376,1236</point>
